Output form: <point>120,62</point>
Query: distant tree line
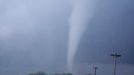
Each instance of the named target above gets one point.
<point>43,73</point>
<point>38,73</point>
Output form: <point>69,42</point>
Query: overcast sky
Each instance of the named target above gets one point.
<point>34,37</point>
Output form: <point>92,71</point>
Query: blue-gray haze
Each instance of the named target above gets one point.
<point>34,37</point>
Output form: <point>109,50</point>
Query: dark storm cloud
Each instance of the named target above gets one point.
<point>112,29</point>
<point>34,36</point>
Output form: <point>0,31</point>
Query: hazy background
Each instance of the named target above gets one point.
<point>34,37</point>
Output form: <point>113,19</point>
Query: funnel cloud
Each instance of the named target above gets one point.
<point>79,19</point>
<point>59,36</point>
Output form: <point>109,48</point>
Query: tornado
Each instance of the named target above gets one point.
<point>81,15</point>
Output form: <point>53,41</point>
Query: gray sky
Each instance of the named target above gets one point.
<point>111,30</point>
<point>34,37</point>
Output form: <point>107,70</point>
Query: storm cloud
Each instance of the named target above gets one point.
<point>34,36</point>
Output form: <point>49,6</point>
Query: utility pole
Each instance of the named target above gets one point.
<point>115,55</point>
<point>95,69</point>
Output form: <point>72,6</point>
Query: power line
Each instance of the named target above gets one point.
<point>115,55</point>
<point>95,70</point>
